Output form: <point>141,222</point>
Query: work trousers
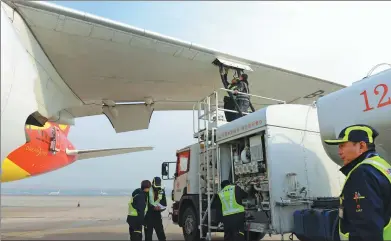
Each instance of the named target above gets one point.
<point>153,220</point>
<point>243,104</point>
<point>234,227</point>
<point>135,228</point>
<point>229,105</point>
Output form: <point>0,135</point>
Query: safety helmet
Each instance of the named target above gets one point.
<point>225,183</point>
<point>157,182</point>
<point>355,133</point>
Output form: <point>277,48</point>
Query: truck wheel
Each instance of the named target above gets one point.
<point>254,236</point>
<point>190,225</point>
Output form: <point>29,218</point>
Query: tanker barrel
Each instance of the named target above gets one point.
<point>368,102</point>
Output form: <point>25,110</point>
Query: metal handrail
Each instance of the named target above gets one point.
<point>215,111</point>
<point>258,96</point>
<point>218,108</point>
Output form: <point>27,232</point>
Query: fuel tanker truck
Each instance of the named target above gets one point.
<point>278,156</point>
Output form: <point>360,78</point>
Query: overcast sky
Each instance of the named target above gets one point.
<point>337,41</point>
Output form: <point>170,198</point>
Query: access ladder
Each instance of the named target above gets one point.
<point>208,121</point>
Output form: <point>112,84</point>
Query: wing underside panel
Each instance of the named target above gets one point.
<point>100,59</point>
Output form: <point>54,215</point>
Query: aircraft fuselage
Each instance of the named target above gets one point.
<point>17,84</point>
<point>32,93</point>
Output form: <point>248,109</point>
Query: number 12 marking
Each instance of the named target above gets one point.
<point>382,102</point>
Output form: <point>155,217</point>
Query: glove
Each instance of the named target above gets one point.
<point>220,225</point>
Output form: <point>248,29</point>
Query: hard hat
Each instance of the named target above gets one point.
<point>355,133</point>
<point>225,183</point>
<point>157,182</point>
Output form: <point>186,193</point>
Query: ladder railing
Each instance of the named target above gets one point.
<point>208,122</point>
<point>216,110</point>
<point>257,96</point>
<point>206,136</point>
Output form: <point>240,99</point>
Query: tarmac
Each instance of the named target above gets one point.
<point>59,218</point>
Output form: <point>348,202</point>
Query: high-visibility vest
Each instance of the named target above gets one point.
<point>152,200</point>
<point>131,210</point>
<point>385,168</point>
<point>228,201</point>
<point>232,87</point>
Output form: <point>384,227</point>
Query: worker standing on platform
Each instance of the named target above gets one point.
<point>365,210</point>
<point>232,211</point>
<point>229,103</point>
<point>242,100</point>
<point>153,218</point>
<point>137,208</point>
<point>237,85</point>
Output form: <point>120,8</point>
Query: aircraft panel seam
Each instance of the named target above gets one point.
<point>50,61</point>
<point>145,33</point>
<point>292,128</point>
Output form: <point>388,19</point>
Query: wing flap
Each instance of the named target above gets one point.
<point>94,153</point>
<point>128,117</point>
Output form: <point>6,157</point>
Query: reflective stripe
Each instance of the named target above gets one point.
<point>231,87</point>
<point>227,197</point>
<point>131,210</point>
<point>152,197</point>
<point>243,96</point>
<point>353,128</point>
<point>385,168</point>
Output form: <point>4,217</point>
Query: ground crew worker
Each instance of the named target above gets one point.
<point>229,104</point>
<point>365,211</point>
<point>242,100</point>
<point>238,85</point>
<point>137,208</point>
<point>232,211</point>
<point>153,218</point>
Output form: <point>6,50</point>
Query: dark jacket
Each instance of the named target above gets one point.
<point>365,218</point>
<point>140,200</point>
<point>242,86</point>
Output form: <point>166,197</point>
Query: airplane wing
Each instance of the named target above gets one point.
<point>94,153</point>
<point>106,63</point>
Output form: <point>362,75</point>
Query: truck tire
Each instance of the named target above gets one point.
<point>190,225</point>
<point>254,236</point>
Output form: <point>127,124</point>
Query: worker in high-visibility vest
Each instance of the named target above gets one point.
<point>237,85</point>
<point>365,210</point>
<point>232,211</point>
<point>243,100</point>
<point>229,103</point>
<point>137,208</point>
<point>156,205</point>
